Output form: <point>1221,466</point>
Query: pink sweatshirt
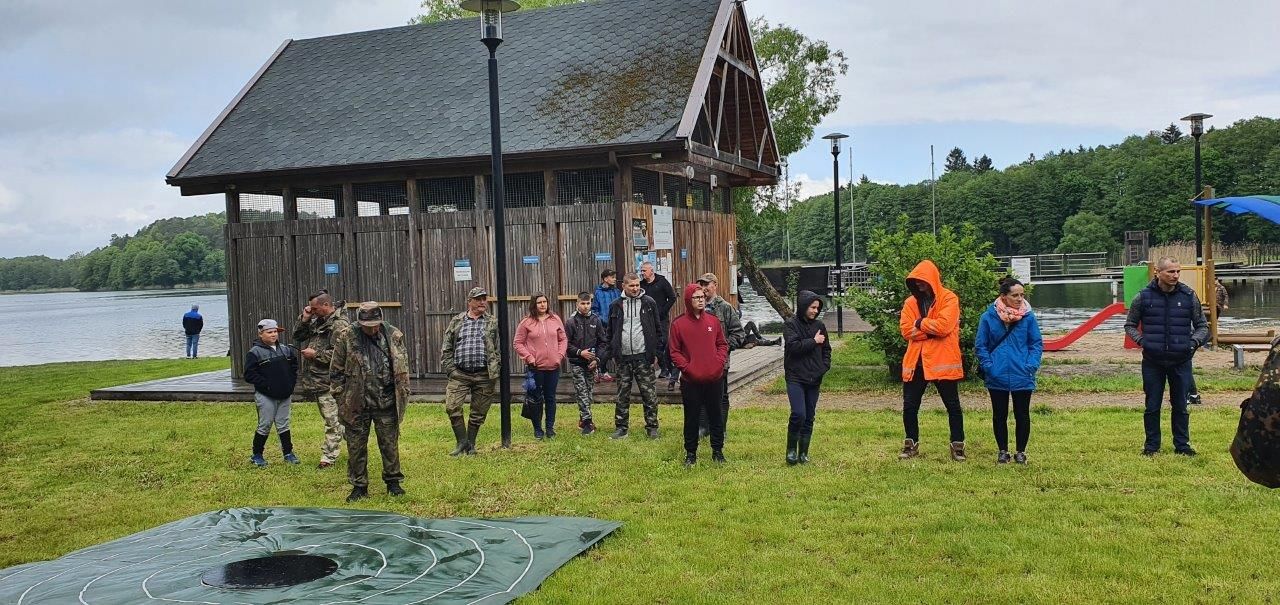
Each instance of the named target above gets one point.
<point>541,344</point>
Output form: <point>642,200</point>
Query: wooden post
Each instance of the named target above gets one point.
<point>1211,282</point>
<point>233,207</point>
<point>290,204</point>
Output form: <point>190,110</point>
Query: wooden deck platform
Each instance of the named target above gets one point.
<point>746,366</point>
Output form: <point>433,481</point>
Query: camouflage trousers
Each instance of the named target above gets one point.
<point>639,372</point>
<point>329,449</point>
<point>479,387</point>
<point>583,389</point>
<point>387,426</point>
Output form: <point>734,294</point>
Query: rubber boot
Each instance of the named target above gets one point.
<point>259,443</point>
<point>286,447</point>
<point>804,449</point>
<point>472,432</point>
<point>793,454</point>
<point>459,433</point>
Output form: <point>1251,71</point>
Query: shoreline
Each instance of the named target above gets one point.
<point>190,287</point>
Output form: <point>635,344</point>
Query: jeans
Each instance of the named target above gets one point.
<point>700,397</point>
<point>804,404</point>
<point>193,344</point>
<point>547,381</point>
<point>1154,376</point>
<point>913,393</point>
<point>1021,418</point>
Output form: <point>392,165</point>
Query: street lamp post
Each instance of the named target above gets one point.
<point>1197,129</point>
<point>786,198</point>
<point>835,138</point>
<point>491,35</point>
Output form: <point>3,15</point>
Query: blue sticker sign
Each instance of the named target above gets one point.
<point>530,260</point>
<point>331,268</point>
<point>684,254</point>
<point>604,257</point>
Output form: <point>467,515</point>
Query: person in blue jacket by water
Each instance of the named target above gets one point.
<point>1009,347</point>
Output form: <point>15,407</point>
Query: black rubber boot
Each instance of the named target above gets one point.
<point>259,443</point>
<point>793,443</point>
<point>286,443</point>
<point>804,449</point>
<point>358,493</point>
<point>472,432</point>
<point>459,433</point>
<point>394,489</point>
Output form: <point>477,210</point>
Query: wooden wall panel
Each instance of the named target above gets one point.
<point>382,272</point>
<point>263,293</point>
<point>579,244</point>
<point>311,253</point>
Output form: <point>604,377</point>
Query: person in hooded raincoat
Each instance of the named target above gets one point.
<point>806,359</point>
<point>930,323</point>
<point>1009,347</point>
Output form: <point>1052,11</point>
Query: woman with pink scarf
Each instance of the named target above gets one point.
<point>1009,348</point>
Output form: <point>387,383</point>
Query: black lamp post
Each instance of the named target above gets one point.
<point>1197,129</point>
<point>491,35</point>
<point>835,171</point>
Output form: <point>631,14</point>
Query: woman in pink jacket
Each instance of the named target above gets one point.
<point>541,342</point>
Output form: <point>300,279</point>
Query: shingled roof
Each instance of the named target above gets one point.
<point>582,75</point>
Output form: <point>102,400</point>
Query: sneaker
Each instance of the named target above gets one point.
<point>1186,451</point>
<point>651,433</point>
<point>619,434</point>
<point>258,461</point>
<point>358,493</point>
<point>750,345</point>
<point>587,426</point>
<point>718,457</point>
<point>690,459</point>
<point>291,458</point>
<point>325,464</point>
<point>1020,457</point>
<point>551,432</point>
<point>957,451</point>
<point>538,434</point>
<point>1003,457</point>
<point>910,449</point>
<point>1193,399</point>
<point>1149,453</point>
<point>394,489</point>
<point>671,384</point>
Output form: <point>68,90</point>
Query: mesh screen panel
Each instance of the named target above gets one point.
<point>590,186</point>
<point>449,194</point>
<point>644,187</point>
<point>374,199</point>
<point>701,195</point>
<point>520,190</point>
<point>673,191</point>
<point>261,206</point>
<point>320,202</point>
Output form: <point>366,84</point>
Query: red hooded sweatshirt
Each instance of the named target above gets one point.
<point>698,348</point>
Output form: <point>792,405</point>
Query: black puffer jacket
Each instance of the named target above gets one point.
<point>586,332</point>
<point>272,372</point>
<point>804,360</point>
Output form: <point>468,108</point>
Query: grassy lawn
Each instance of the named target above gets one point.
<point>1088,521</point>
<point>857,368</point>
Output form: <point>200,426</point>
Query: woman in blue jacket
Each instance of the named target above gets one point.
<point>1009,348</point>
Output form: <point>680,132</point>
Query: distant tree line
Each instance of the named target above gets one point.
<point>164,254</point>
<point>1080,200</point>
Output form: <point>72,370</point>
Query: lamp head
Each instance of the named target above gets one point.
<point>490,16</point>
<point>1197,123</point>
<point>835,141</point>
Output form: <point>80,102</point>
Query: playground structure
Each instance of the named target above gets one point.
<point>1200,278</point>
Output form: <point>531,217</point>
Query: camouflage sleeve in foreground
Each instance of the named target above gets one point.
<point>338,366</point>
<point>1256,447</point>
<point>447,361</point>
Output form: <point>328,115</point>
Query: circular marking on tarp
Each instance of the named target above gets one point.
<point>275,571</point>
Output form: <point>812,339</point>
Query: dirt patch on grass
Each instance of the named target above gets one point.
<point>1109,347</point>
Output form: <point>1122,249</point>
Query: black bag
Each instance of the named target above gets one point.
<point>1256,447</point>
<point>532,407</point>
<point>982,374</point>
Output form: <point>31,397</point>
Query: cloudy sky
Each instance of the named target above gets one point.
<point>101,98</point>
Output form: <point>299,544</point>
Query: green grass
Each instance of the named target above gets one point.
<point>857,368</point>
<point>1089,520</point>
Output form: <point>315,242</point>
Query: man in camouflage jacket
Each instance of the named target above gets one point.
<point>315,331</point>
<point>370,376</point>
<point>469,356</point>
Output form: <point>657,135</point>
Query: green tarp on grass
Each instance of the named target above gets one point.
<point>382,558</point>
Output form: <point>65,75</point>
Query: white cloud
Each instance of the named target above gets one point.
<point>810,187</point>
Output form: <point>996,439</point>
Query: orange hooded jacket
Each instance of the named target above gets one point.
<point>937,339</point>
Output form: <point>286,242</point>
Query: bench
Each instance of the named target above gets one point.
<point>1240,349</point>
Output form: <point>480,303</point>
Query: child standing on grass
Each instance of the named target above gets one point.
<point>272,368</point>
<point>588,340</point>
<point>1009,347</point>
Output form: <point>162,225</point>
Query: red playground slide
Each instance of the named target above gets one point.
<point>1058,344</point>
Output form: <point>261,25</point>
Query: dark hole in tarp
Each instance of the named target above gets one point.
<point>270,572</point>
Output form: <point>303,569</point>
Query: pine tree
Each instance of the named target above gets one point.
<point>1171,135</point>
<point>982,164</point>
<point>956,162</point>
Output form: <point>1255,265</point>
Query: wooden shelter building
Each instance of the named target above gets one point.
<point>360,162</point>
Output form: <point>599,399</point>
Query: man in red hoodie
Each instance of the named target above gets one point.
<point>699,350</point>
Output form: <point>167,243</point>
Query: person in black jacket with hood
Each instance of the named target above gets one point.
<point>272,368</point>
<point>656,286</point>
<point>805,361</point>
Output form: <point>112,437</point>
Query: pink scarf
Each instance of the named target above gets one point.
<point>1008,314</point>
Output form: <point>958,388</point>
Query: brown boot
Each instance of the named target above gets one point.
<point>957,451</point>
<point>909,449</point>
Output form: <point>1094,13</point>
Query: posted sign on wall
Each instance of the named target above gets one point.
<point>663,229</point>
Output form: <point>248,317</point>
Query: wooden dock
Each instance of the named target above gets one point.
<point>746,366</point>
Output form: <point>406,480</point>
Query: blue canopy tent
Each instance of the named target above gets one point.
<point>1265,206</point>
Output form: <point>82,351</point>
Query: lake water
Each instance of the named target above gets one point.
<point>90,326</point>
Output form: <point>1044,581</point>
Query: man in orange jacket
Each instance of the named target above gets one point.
<point>930,322</point>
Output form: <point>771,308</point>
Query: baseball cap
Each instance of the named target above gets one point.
<point>370,314</point>
<point>477,292</point>
<point>268,324</point>
<point>707,278</point>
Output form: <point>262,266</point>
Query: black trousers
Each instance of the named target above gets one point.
<point>724,407</point>
<point>913,393</point>
<point>699,399</point>
<point>1021,418</point>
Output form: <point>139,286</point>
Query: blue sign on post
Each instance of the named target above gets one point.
<point>604,256</point>
<point>530,260</point>
<point>331,268</point>
<point>684,254</point>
